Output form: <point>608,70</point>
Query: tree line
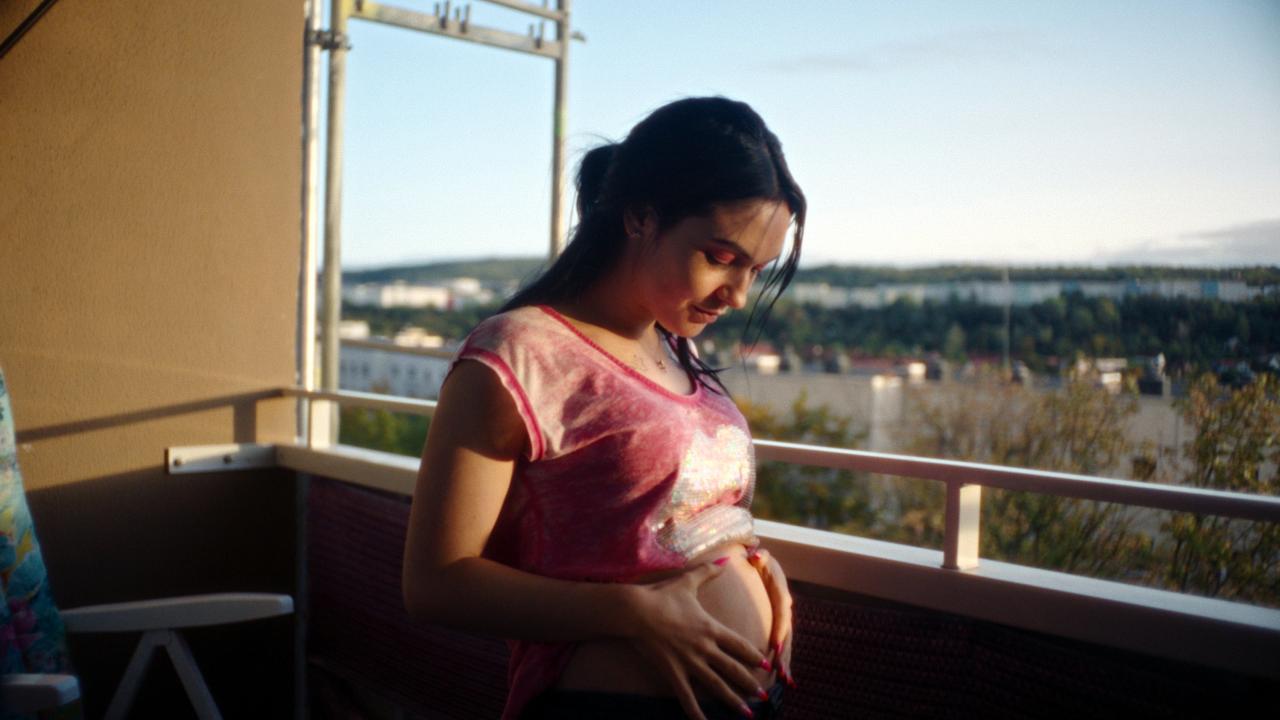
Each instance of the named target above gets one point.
<point>1192,334</point>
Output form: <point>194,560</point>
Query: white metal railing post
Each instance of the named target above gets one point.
<point>964,511</point>
<point>306,332</point>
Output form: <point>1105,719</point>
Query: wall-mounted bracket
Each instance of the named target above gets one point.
<point>219,458</point>
<point>329,40</point>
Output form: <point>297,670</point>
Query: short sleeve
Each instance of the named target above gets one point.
<point>495,343</point>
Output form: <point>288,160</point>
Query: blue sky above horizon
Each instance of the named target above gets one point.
<point>1083,132</point>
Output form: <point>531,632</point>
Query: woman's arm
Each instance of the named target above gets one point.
<point>475,438</point>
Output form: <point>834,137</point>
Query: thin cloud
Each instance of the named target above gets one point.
<point>1255,243</point>
<point>950,48</point>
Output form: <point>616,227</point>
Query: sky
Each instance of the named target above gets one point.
<point>1084,132</point>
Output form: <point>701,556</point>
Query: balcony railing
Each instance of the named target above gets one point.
<point>1229,635</point>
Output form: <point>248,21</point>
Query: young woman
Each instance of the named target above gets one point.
<point>586,483</point>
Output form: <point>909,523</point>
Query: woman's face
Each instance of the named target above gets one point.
<point>702,266</point>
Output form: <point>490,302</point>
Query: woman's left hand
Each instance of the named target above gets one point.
<point>775,581</point>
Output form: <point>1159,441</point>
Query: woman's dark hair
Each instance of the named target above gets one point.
<point>679,162</point>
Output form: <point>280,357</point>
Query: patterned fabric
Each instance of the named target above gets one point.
<point>623,477</point>
<point>32,638</point>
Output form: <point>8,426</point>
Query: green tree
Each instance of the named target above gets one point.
<point>953,347</point>
<point>381,430</point>
<point>1078,429</point>
<point>1235,447</point>
<point>400,433</point>
<point>835,500</point>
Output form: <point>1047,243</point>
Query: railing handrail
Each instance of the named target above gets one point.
<point>1159,496</point>
<point>1232,635</point>
<point>439,353</point>
<point>1154,495</point>
<point>1236,636</point>
<point>370,401</point>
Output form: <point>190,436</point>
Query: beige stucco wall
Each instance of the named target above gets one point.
<point>149,214</point>
<point>150,165</point>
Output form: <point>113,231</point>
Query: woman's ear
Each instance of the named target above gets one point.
<point>640,223</point>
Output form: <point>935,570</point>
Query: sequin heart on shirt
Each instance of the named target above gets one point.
<point>700,513</point>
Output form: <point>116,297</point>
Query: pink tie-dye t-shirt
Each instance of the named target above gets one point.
<point>623,477</point>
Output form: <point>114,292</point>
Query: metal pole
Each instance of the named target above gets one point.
<point>333,208</point>
<point>557,132</point>
<point>306,339</point>
<point>1008,300</point>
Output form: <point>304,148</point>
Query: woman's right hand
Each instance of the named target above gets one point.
<point>687,645</point>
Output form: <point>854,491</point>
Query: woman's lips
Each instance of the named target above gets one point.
<point>704,316</point>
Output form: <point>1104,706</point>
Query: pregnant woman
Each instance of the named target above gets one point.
<point>586,485</point>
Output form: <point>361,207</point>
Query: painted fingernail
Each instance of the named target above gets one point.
<point>746,711</point>
<point>766,664</point>
<point>722,560</point>
<point>777,649</point>
<point>760,693</point>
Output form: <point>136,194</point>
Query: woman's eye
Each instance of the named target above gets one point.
<point>719,258</point>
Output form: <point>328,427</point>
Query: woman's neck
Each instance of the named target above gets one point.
<point>612,306</point>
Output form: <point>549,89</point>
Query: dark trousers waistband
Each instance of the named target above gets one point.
<point>583,704</point>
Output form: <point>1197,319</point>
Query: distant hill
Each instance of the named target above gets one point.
<point>490,271</point>
<point>502,271</point>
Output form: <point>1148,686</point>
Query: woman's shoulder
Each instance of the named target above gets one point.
<point>516,325</point>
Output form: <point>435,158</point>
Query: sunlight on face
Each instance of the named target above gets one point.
<point>704,265</point>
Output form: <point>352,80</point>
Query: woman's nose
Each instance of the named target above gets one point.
<point>734,292</point>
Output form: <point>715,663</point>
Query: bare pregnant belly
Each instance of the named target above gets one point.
<point>736,597</point>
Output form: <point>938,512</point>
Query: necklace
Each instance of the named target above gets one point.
<point>640,360</point>
<point>643,364</point>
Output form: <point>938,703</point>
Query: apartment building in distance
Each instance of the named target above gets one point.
<point>452,294</point>
<point>412,364</point>
<point>991,292</point>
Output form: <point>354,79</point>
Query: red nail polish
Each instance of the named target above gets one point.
<point>760,693</point>
<point>722,560</point>
<point>746,711</point>
<point>777,650</point>
<point>766,664</point>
